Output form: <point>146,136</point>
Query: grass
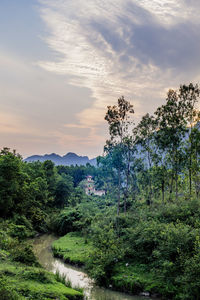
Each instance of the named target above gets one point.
<point>21,282</point>
<point>22,277</point>
<point>130,279</point>
<point>133,278</point>
<point>72,248</point>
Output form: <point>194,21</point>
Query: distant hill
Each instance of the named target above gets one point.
<point>66,160</point>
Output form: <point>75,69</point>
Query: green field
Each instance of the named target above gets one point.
<point>22,282</point>
<point>73,248</point>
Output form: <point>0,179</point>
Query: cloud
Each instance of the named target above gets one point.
<point>35,106</point>
<point>132,48</point>
<point>100,50</point>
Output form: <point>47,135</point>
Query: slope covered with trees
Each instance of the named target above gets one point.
<point>144,234</point>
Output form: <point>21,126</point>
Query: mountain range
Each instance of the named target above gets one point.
<point>66,160</point>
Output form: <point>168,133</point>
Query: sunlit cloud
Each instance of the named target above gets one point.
<point>98,51</point>
<point>34,108</point>
<point>132,48</point>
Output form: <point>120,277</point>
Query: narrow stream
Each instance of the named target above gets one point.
<point>42,249</point>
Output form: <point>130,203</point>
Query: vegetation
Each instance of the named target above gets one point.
<point>73,248</point>
<point>21,276</point>
<point>144,235</point>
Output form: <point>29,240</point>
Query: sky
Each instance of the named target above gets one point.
<point>62,62</point>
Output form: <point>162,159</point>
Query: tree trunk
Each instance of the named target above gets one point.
<point>150,185</point>
<point>119,184</point>
<point>127,183</point>
<point>171,187</point>
<point>190,170</point>
<point>163,191</point>
<point>176,174</point>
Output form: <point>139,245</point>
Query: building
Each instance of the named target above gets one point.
<point>90,187</point>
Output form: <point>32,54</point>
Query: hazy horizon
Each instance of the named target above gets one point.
<point>61,155</point>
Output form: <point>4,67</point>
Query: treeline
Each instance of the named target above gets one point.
<point>145,232</point>
<point>152,172</point>
<point>31,197</point>
<point>158,158</point>
<point>36,190</point>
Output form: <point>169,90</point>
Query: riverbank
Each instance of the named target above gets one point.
<point>72,248</point>
<point>128,278</point>
<point>77,276</point>
<point>22,277</point>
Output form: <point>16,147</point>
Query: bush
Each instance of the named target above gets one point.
<point>23,253</point>
<point>6,291</point>
<point>37,275</point>
<point>67,221</point>
<point>19,231</point>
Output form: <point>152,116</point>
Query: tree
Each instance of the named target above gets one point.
<point>171,130</point>
<point>189,95</point>
<point>50,175</point>
<point>118,118</point>
<point>115,156</point>
<point>145,137</point>
<point>10,180</point>
<point>64,187</point>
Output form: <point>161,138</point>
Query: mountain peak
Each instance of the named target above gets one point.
<point>71,154</point>
<point>68,159</point>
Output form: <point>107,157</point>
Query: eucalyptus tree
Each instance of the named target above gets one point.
<point>115,156</point>
<point>145,138</point>
<point>129,149</point>
<point>189,95</point>
<point>106,174</point>
<point>119,121</point>
<point>172,128</point>
<point>195,159</point>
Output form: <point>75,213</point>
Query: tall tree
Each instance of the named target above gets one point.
<point>189,95</point>
<point>118,118</point>
<point>11,179</point>
<point>145,136</point>
<point>172,127</point>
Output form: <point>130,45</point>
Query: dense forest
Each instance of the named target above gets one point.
<point>143,235</point>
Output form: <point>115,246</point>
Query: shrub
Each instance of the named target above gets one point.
<point>24,254</point>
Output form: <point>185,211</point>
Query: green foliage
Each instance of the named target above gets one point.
<point>62,278</point>
<point>6,293</point>
<point>67,221</point>
<point>20,275</point>
<point>152,247</point>
<point>73,248</point>
<point>64,188</point>
<point>20,282</point>
<point>23,253</point>
<point>107,250</point>
<point>38,275</point>
<point>10,180</point>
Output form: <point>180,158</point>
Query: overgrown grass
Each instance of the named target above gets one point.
<point>66,280</point>
<point>21,276</point>
<point>34,283</point>
<point>72,248</point>
<point>133,278</point>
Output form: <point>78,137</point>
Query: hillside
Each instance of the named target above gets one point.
<point>66,160</point>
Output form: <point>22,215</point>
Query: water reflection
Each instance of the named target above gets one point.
<point>42,249</point>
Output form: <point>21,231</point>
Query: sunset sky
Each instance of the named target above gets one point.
<point>63,61</point>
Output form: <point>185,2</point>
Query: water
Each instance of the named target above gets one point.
<point>42,249</point>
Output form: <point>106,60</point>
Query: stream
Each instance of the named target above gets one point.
<point>42,249</point>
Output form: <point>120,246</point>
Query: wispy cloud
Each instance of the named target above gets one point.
<point>34,107</point>
<point>95,51</point>
<point>135,48</point>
